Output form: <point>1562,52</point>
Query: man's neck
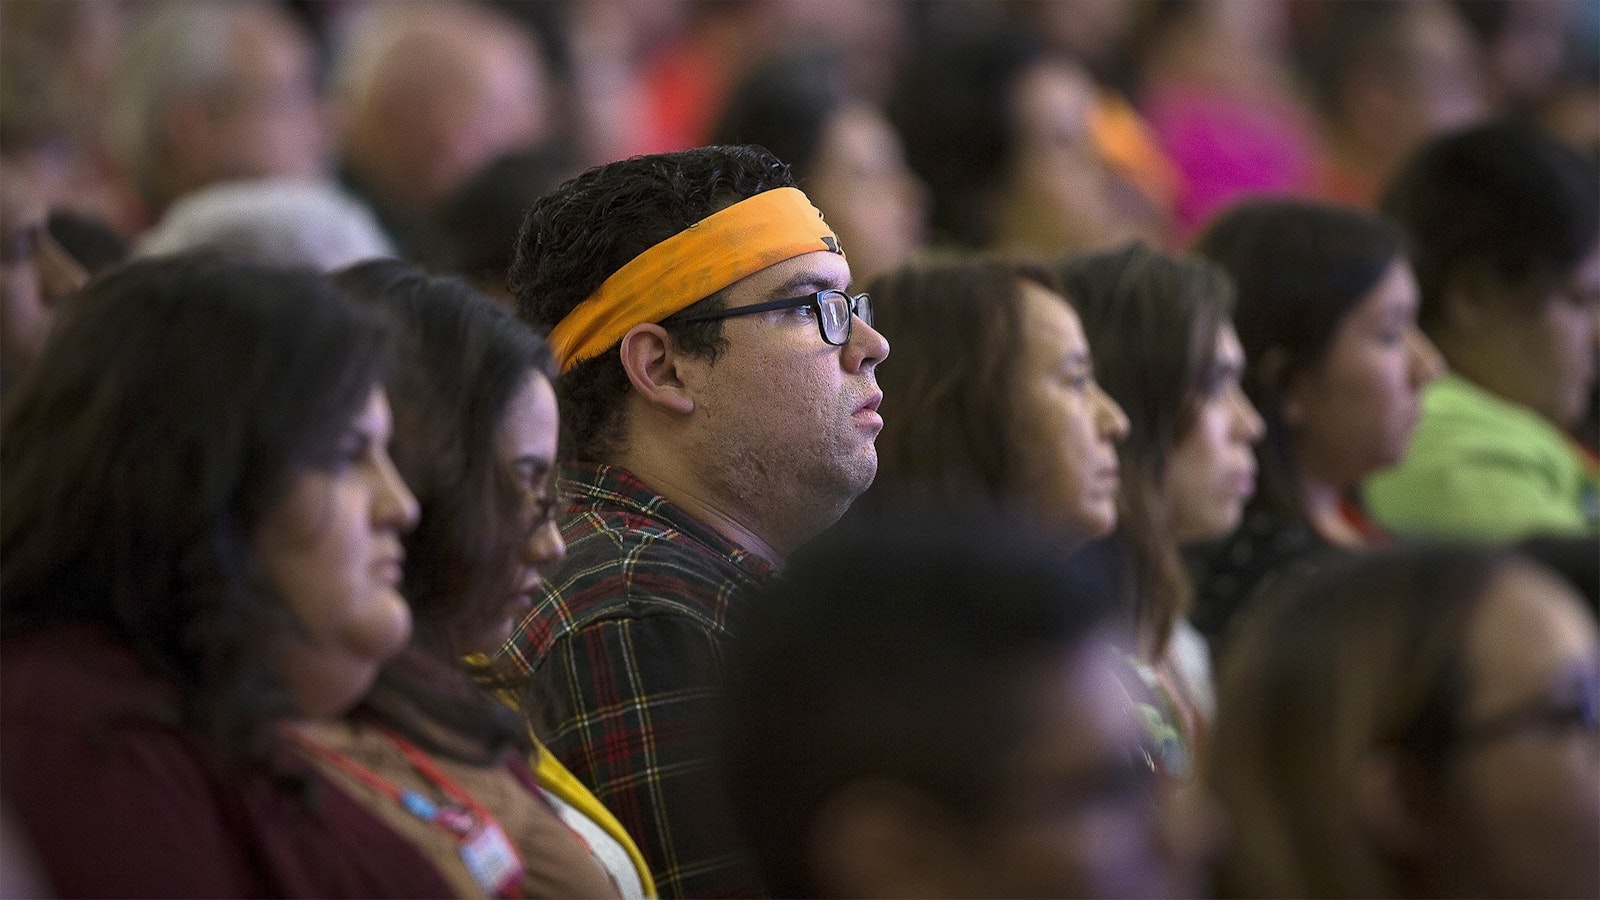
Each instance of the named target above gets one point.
<point>688,493</point>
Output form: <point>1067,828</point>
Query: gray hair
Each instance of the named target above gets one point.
<point>281,221</point>
<point>176,47</point>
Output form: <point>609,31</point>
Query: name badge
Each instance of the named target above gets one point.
<point>492,862</point>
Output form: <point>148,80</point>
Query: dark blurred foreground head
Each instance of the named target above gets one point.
<point>1416,723</point>
<point>950,723</point>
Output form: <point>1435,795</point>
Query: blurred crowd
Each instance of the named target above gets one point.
<point>800,447</point>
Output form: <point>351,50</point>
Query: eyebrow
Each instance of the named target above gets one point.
<point>800,284</point>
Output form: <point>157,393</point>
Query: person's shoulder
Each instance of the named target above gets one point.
<point>637,575</point>
<point>1462,422</point>
<point>77,674</point>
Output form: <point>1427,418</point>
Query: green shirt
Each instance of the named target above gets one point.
<point>1482,468</point>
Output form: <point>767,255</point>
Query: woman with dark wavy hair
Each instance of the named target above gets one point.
<point>475,435</point>
<point>200,541</point>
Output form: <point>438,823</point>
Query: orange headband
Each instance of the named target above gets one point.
<point>691,265</point>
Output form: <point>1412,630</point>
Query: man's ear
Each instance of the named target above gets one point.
<point>652,366</point>
<point>883,839</point>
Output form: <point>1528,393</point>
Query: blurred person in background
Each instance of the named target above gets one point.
<point>1529,48</point>
<point>1215,80</point>
<point>1387,75</point>
<point>1004,134</point>
<point>428,94</point>
<point>280,221</point>
<point>951,724</point>
<point>1166,351</point>
<point>1505,226</point>
<point>1419,723</point>
<point>1327,317</point>
<point>845,155</point>
<point>36,274</point>
<point>200,539</point>
<point>474,232</point>
<point>206,92</point>
<point>55,65</point>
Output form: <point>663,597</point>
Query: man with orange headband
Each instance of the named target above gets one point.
<point>719,405</point>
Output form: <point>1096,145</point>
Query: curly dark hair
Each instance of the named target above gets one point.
<point>171,410</point>
<point>579,235</point>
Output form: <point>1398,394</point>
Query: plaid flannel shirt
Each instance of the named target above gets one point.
<point>625,653</point>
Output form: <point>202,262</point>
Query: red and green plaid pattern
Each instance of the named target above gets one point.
<point>625,653</point>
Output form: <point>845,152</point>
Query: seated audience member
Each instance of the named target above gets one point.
<point>1327,316</point>
<point>475,436</point>
<point>200,541</point>
<point>845,155</point>
<point>1005,135</point>
<point>474,233</point>
<point>1416,723</point>
<point>931,707</point>
<point>720,406</point>
<point>36,275</point>
<point>993,399</point>
<point>1387,75</point>
<point>278,221</point>
<point>1216,82</point>
<point>1166,351</point>
<point>1505,226</point>
<point>429,93</point>
<point>206,92</point>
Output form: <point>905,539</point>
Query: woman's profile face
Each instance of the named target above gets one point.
<point>1525,780</point>
<point>1353,412</point>
<point>331,547</point>
<point>1212,471</point>
<point>1068,427</point>
<point>526,447</point>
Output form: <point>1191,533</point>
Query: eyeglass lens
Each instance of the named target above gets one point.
<point>837,312</point>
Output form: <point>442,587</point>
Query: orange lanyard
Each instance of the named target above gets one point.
<point>462,817</point>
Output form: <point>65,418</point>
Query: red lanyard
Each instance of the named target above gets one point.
<point>462,818</point>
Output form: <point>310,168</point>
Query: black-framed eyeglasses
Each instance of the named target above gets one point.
<point>1580,713</point>
<point>834,310</point>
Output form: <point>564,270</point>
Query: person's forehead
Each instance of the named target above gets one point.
<point>804,274</point>
<point>1050,319</point>
<point>1528,631</point>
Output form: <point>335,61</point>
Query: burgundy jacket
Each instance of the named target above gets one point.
<point>118,801</point>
